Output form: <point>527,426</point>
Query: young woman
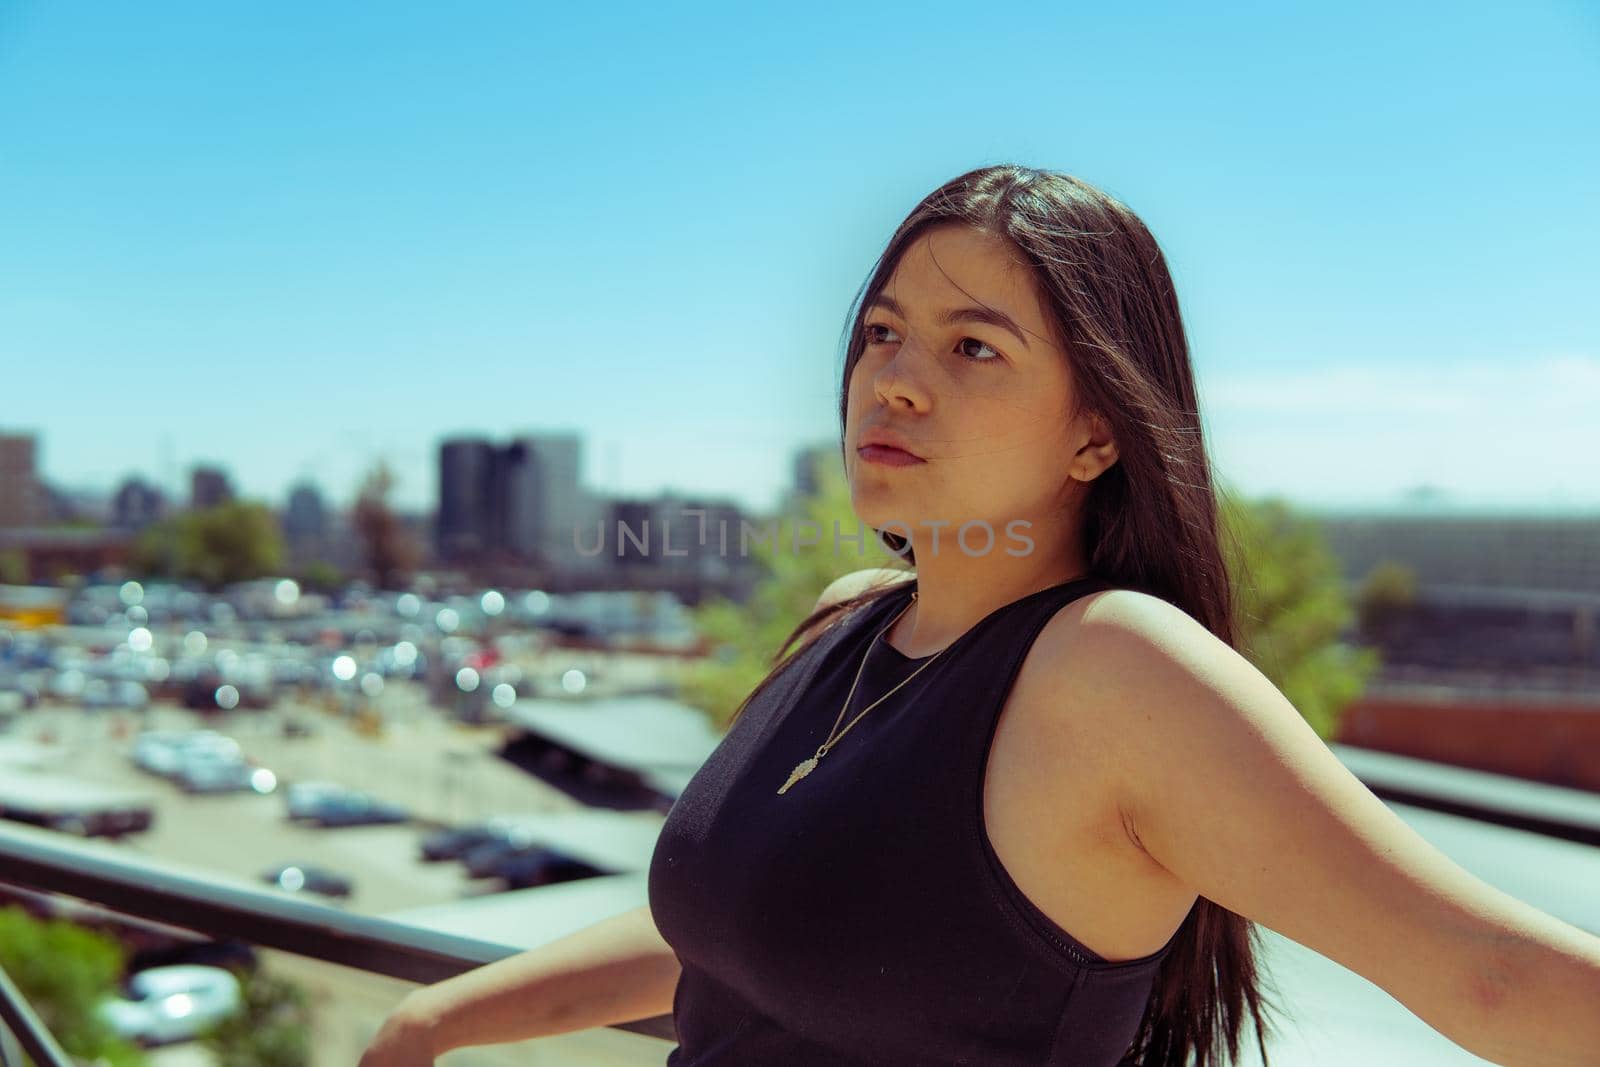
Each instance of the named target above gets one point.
<point>1023,805</point>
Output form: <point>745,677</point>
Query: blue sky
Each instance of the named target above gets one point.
<point>294,237</point>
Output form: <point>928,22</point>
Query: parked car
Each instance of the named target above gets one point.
<point>200,689</point>
<point>483,861</point>
<point>349,807</point>
<point>163,752</point>
<point>167,1004</point>
<point>24,651</point>
<point>152,948</point>
<point>248,684</point>
<point>114,693</point>
<point>306,878</point>
<point>17,695</point>
<point>457,841</point>
<point>155,751</point>
<point>542,866</point>
<point>67,685</point>
<point>73,805</point>
<point>301,796</point>
<point>214,772</point>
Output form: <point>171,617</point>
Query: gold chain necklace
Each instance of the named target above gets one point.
<point>806,766</point>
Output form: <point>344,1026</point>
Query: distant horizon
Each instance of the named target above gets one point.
<point>1420,500</point>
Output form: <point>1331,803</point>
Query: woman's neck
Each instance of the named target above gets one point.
<point>950,602</point>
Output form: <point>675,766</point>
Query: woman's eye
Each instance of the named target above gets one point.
<point>983,359</point>
<point>873,337</point>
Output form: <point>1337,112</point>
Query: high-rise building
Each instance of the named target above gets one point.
<point>305,523</point>
<point>520,501</point>
<point>548,503</point>
<point>519,477</point>
<point>807,476</point>
<point>22,500</point>
<point>636,515</point>
<point>136,504</point>
<point>208,487</point>
<point>464,530</point>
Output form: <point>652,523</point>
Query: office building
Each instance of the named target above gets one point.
<point>208,487</point>
<point>22,498</point>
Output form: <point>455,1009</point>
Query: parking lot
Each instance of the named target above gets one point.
<point>402,699</point>
<point>443,772</point>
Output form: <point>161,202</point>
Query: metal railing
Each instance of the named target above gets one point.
<point>23,1027</point>
<point>1550,810</point>
<point>50,862</point>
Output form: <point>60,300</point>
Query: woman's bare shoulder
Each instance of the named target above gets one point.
<point>855,583</point>
<point>1113,614</point>
<point>1105,646</point>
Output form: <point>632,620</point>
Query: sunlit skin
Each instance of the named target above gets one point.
<point>988,411</point>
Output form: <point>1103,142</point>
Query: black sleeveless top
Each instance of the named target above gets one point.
<point>863,917</point>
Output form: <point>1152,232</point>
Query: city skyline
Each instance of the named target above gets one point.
<point>1420,498</point>
<point>433,225</point>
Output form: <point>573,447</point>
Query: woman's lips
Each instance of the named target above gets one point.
<point>889,457</point>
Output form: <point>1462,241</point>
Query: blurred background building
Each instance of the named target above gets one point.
<point>21,495</point>
<point>208,487</point>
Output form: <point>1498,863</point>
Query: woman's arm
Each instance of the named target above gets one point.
<point>617,970</point>
<point>1228,788</point>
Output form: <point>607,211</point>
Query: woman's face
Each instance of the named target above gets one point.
<point>982,401</point>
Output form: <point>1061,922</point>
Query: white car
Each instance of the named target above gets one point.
<point>302,798</point>
<point>162,752</point>
<point>176,1003</point>
<point>207,771</point>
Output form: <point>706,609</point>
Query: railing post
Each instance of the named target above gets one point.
<point>22,1025</point>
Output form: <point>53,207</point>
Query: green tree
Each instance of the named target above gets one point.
<point>1291,609</point>
<point>272,1030</point>
<point>13,567</point>
<point>1290,606</point>
<point>320,576</point>
<point>64,971</point>
<point>233,542</point>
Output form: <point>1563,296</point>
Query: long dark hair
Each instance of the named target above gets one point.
<point>1151,520</point>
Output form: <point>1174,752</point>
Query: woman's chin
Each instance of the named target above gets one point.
<point>876,505</point>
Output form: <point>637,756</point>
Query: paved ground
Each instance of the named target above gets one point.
<point>437,770</point>
<point>442,771</point>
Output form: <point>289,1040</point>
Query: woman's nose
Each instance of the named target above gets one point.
<point>900,376</point>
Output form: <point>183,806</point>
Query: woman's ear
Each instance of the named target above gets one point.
<point>1096,455</point>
